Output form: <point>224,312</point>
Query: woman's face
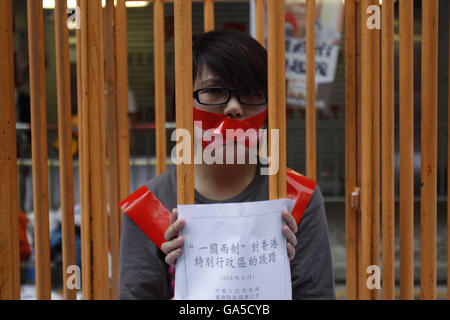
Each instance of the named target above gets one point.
<point>233,108</point>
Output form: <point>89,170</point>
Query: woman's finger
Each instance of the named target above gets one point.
<point>290,251</point>
<point>172,245</point>
<point>290,221</point>
<point>290,236</point>
<point>172,257</point>
<point>174,215</point>
<point>173,229</point>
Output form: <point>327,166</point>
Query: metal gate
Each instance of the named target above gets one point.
<point>104,136</point>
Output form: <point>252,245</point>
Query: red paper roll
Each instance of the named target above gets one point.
<point>148,213</point>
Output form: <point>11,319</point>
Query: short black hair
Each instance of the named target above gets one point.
<point>234,57</point>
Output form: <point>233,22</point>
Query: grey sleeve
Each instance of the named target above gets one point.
<point>143,272</point>
<point>312,268</point>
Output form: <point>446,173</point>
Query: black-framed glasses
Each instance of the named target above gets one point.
<point>216,96</point>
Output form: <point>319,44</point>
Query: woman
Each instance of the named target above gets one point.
<point>230,81</point>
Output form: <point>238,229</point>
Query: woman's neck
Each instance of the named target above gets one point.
<point>223,181</point>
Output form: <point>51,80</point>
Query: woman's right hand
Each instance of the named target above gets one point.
<point>174,243</point>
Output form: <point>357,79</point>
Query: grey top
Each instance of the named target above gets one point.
<point>144,273</point>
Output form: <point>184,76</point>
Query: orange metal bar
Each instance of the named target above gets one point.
<point>112,145</point>
<point>84,156</point>
<point>351,88</point>
<point>81,97</point>
<point>311,157</point>
<point>277,98</point>
<point>428,203</point>
<point>65,142</point>
<point>272,103</point>
<point>281,105</point>
<point>9,211</point>
<point>366,152</point>
<point>160,86</point>
<point>358,216</point>
<point>183,88</point>
<point>369,118</point>
<point>406,131</point>
<point>39,148</point>
<point>208,15</point>
<point>376,151</point>
<point>122,98</point>
<point>93,182</point>
<point>388,171</point>
<point>275,23</point>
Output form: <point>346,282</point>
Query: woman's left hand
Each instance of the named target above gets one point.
<point>289,231</point>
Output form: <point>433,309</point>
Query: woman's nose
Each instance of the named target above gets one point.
<point>233,108</point>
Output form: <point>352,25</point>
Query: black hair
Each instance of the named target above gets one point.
<point>234,57</point>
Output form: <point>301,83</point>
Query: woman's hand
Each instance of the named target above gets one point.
<point>174,243</point>
<point>289,231</point>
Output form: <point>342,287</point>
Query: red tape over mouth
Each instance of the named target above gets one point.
<point>245,131</point>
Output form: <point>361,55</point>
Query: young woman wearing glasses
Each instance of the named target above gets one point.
<point>230,82</point>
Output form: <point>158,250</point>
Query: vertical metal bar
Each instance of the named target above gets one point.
<point>99,214</point>
<point>208,15</point>
<point>376,152</point>
<point>281,105</point>
<point>112,145</point>
<point>277,96</point>
<point>86,251</point>
<point>9,211</point>
<point>351,88</point>
<point>95,241</point>
<point>122,98</point>
<point>39,148</point>
<point>274,78</point>
<point>359,16</point>
<point>78,50</point>
<point>369,78</point>
<point>65,142</point>
<point>160,85</point>
<point>81,98</point>
<point>78,77</point>
<point>183,90</point>
<point>428,208</point>
<point>311,157</point>
<point>260,22</point>
<point>359,25</point>
<point>406,137</point>
<point>388,171</point>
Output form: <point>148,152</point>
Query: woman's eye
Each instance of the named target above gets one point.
<point>251,93</point>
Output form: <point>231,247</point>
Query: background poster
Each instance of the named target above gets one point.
<point>329,21</point>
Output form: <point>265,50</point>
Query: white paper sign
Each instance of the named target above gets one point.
<point>234,251</point>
